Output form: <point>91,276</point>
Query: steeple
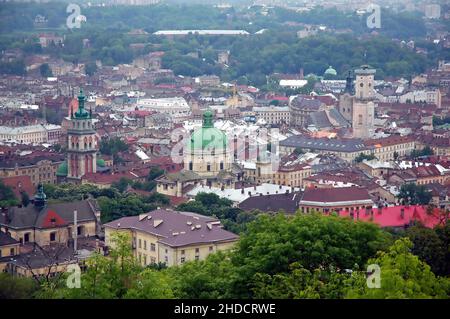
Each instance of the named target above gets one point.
<point>40,198</point>
<point>81,113</point>
<point>349,83</point>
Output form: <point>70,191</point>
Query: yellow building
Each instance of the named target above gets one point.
<point>40,169</point>
<point>51,223</point>
<point>171,237</point>
<point>8,247</point>
<point>386,148</point>
<point>290,172</point>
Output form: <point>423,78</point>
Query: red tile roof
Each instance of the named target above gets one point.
<point>392,216</point>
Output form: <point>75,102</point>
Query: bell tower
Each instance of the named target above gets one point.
<point>82,143</point>
<point>363,103</point>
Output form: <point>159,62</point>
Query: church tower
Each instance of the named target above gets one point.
<point>363,103</point>
<point>346,99</point>
<point>82,143</point>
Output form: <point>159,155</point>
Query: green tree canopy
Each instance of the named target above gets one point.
<point>403,275</point>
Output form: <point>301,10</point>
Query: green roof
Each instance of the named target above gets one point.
<point>208,137</point>
<point>81,113</point>
<point>330,71</point>
<point>62,169</point>
<point>101,162</point>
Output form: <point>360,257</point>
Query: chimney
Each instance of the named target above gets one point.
<point>402,212</point>
<point>242,191</point>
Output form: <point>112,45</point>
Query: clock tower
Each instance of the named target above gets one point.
<point>82,143</point>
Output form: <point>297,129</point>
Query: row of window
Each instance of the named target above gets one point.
<point>152,245</point>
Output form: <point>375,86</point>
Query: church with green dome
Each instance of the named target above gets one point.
<point>207,152</point>
<point>207,159</point>
<point>330,73</point>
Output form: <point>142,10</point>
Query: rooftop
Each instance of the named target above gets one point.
<point>324,144</point>
<point>176,229</point>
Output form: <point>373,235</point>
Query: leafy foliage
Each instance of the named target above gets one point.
<point>16,288</point>
<point>361,157</point>
<point>432,246</point>
<point>403,275</point>
<point>210,204</point>
<point>113,203</point>
<point>7,197</point>
<point>413,194</point>
<point>116,276</point>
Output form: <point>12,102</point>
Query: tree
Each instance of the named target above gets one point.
<point>210,204</point>
<point>431,246</point>
<point>122,184</point>
<point>206,279</point>
<point>90,68</point>
<point>403,275</point>
<point>396,155</point>
<point>7,197</point>
<point>426,151</point>
<point>45,70</point>
<point>25,199</point>
<point>412,194</point>
<point>16,287</point>
<point>301,283</point>
<point>361,157</point>
<point>118,275</point>
<point>112,147</point>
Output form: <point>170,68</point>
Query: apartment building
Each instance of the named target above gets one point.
<point>273,115</point>
<point>387,148</point>
<point>171,237</point>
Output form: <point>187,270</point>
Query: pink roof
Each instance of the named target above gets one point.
<point>392,216</point>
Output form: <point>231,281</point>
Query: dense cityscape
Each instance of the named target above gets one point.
<point>155,149</point>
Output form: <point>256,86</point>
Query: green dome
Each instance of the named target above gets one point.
<point>101,162</point>
<point>330,71</point>
<point>62,170</point>
<point>208,137</point>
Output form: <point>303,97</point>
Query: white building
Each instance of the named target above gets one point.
<point>177,107</point>
<point>273,114</point>
<point>31,134</point>
<point>239,195</point>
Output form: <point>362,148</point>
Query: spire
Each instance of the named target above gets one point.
<point>349,83</point>
<point>81,113</point>
<point>81,99</point>
<point>40,198</point>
